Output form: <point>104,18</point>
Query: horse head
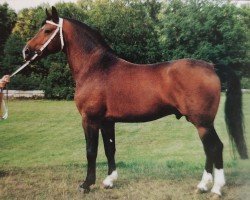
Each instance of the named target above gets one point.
<point>48,40</point>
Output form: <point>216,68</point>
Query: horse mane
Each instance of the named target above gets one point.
<point>95,36</point>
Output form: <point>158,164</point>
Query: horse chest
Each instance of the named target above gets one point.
<point>89,102</point>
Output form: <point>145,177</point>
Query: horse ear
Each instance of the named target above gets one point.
<point>48,15</point>
<point>55,17</point>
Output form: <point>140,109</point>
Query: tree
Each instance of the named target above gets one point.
<point>7,21</point>
<point>127,26</point>
<point>29,20</point>
<point>12,54</point>
<point>210,30</point>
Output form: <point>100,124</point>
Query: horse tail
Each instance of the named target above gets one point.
<point>233,113</point>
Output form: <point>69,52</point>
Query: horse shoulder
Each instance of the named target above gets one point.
<point>90,99</point>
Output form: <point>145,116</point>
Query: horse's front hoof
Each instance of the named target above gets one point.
<point>200,191</point>
<point>84,187</point>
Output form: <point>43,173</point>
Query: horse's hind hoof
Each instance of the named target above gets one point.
<point>103,186</point>
<point>86,191</point>
<point>215,197</point>
<point>200,191</point>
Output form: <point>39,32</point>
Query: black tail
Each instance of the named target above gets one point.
<point>233,113</point>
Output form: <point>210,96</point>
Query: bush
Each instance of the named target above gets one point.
<point>21,82</point>
<point>245,82</point>
<point>59,83</point>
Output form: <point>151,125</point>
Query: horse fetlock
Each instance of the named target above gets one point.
<point>109,180</point>
<point>87,183</point>
<point>206,180</point>
<point>219,181</point>
<point>84,187</point>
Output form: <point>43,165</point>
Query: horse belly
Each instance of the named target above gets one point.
<point>142,109</point>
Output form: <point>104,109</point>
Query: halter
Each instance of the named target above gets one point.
<point>58,29</point>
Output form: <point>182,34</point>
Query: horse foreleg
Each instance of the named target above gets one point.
<point>91,131</point>
<point>108,135</point>
<point>213,149</point>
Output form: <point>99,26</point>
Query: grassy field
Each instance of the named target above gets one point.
<point>42,156</point>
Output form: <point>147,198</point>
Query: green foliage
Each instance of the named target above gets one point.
<point>12,54</point>
<point>58,84</point>
<point>127,26</point>
<point>7,21</point>
<point>245,82</point>
<point>204,30</point>
<point>141,31</point>
<point>29,21</point>
<point>21,82</point>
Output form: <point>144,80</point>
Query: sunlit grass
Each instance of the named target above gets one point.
<point>42,154</point>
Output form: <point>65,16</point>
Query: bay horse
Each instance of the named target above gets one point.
<point>110,89</point>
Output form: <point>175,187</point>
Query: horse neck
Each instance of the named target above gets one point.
<point>81,55</point>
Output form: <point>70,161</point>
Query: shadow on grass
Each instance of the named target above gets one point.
<point>171,169</point>
<point>4,173</point>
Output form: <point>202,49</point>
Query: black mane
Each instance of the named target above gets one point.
<point>95,36</point>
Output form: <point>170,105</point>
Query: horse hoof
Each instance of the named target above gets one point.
<point>200,191</point>
<point>84,188</point>
<point>215,196</point>
<point>103,186</point>
<point>85,191</point>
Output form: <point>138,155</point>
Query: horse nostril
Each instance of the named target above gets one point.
<point>27,51</point>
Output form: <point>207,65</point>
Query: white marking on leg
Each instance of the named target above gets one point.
<point>206,179</point>
<point>219,181</point>
<point>109,180</point>
<point>110,140</point>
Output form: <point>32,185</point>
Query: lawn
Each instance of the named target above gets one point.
<point>42,156</point>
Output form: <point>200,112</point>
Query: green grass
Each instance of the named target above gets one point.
<point>42,156</point>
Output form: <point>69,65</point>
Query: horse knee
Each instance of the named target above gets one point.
<point>91,153</point>
<point>220,146</point>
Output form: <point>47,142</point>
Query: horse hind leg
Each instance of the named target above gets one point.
<point>213,148</point>
<point>108,135</point>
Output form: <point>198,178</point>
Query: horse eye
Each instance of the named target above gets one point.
<point>47,31</point>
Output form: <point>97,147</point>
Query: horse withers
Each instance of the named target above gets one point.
<point>110,89</point>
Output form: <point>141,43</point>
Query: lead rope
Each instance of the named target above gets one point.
<point>58,29</point>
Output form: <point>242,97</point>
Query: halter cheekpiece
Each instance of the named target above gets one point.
<point>59,28</point>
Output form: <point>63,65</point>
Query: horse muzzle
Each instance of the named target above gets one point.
<point>28,53</point>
